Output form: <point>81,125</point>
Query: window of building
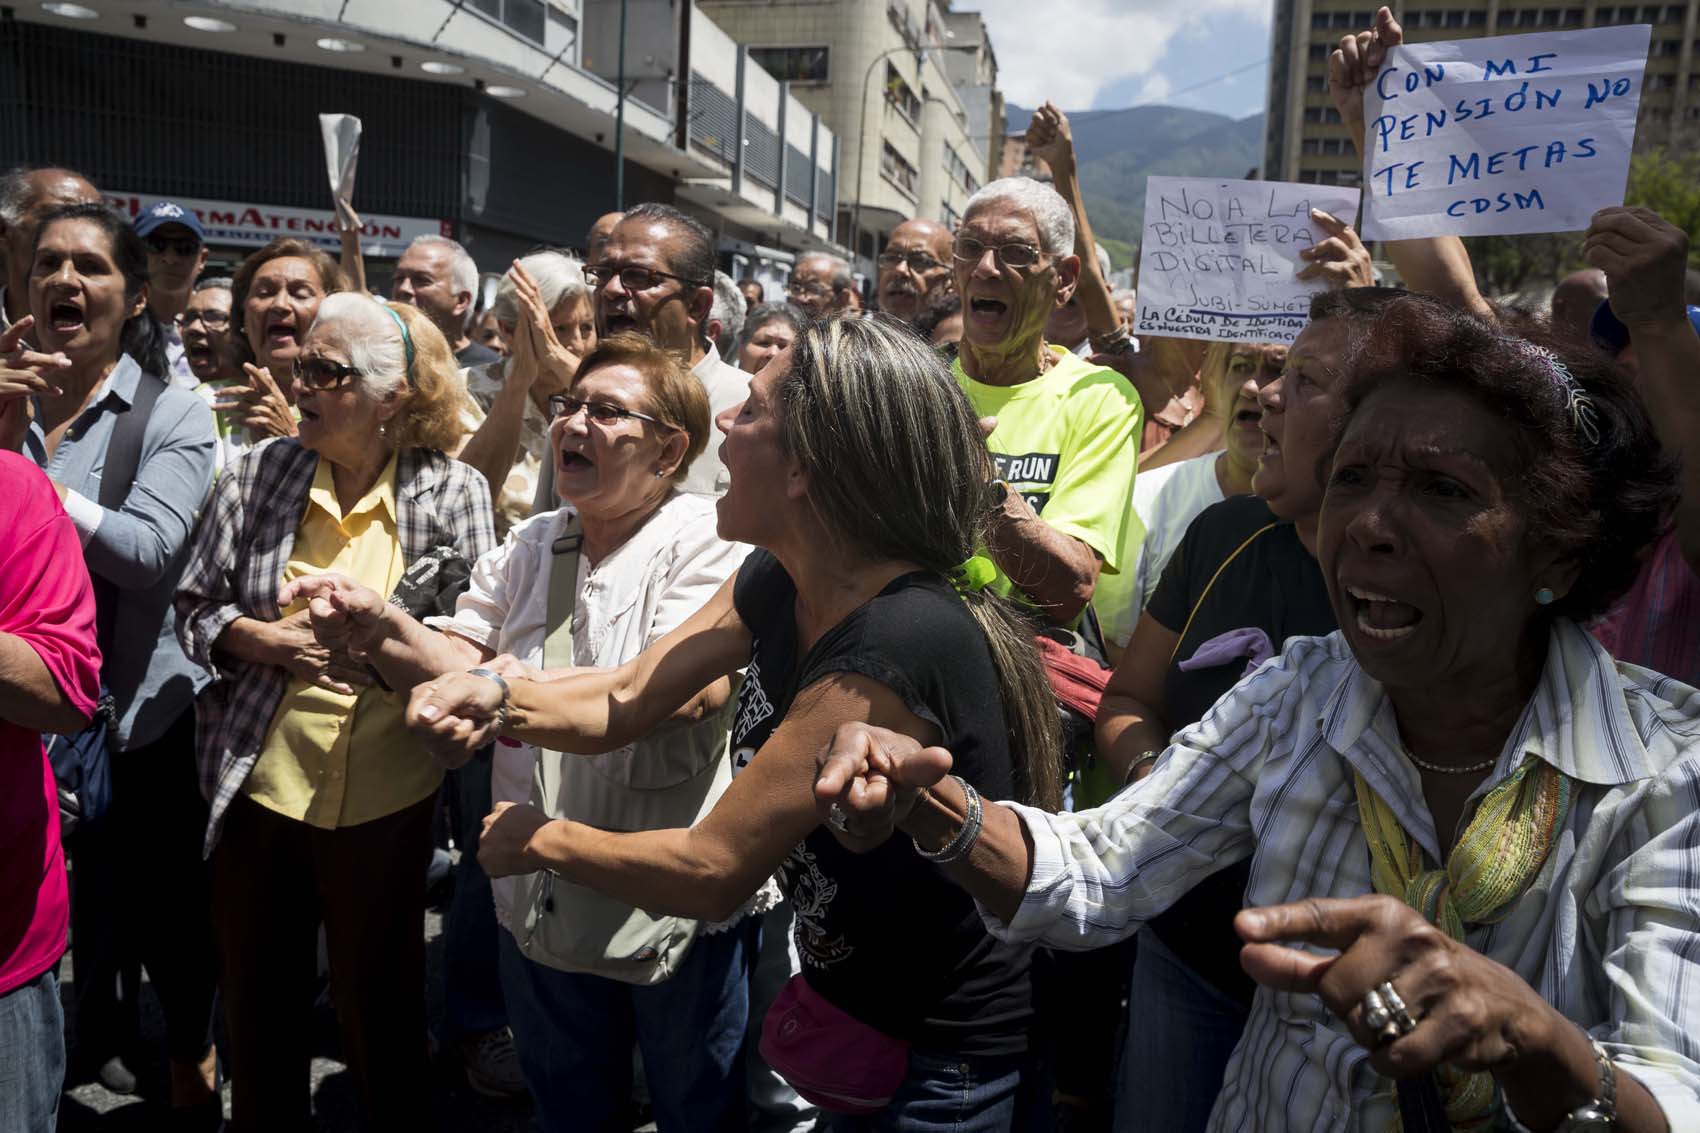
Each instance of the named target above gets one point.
<point>900,95</point>
<point>1674,13</point>
<point>1318,20</point>
<point>1668,48</point>
<point>795,64</point>
<point>1455,18</point>
<point>1319,52</point>
<point>1317,84</point>
<point>1573,17</point>
<point>1650,14</point>
<point>1476,19</point>
<point>1506,18</point>
<point>1310,146</point>
<point>1659,114</point>
<point>897,168</point>
<point>525,18</point>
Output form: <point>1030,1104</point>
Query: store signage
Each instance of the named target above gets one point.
<point>253,225</point>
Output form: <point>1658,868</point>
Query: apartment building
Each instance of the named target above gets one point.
<point>1306,141</point>
<point>875,71</point>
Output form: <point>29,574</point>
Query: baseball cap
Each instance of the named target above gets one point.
<point>169,212</point>
<point>1611,335</point>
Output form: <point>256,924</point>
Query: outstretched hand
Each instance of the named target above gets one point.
<point>455,715</point>
<point>258,405</point>
<point>873,776</point>
<point>346,616</point>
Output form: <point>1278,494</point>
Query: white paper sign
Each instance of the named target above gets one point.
<point>1517,133</point>
<point>341,134</point>
<point>1219,257</point>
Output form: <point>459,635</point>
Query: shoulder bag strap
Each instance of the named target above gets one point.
<point>123,459</point>
<point>563,596</point>
<point>1205,593</point>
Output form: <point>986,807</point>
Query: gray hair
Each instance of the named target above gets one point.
<point>363,324</point>
<point>213,282</point>
<point>840,279</point>
<point>871,413</point>
<point>462,269</point>
<point>1104,265</point>
<point>559,277</point>
<point>15,190</point>
<point>1049,211</point>
<point>1121,293</point>
<point>728,309</point>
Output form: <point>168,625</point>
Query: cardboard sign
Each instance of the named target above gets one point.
<point>1513,134</point>
<point>1219,257</point>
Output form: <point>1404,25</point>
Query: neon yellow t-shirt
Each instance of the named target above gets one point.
<point>1068,441</point>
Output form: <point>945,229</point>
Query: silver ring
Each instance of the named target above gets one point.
<point>1376,1015</point>
<point>1396,1008</point>
<point>837,819</point>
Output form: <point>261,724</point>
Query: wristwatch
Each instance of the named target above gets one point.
<point>1599,1115</point>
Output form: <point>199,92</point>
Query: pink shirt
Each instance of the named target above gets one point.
<point>47,602</point>
<point>1657,624</point>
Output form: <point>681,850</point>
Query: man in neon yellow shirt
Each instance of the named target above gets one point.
<point>1063,533</point>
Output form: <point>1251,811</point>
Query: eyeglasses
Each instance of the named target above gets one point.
<point>798,287</point>
<point>918,262</point>
<point>632,278</point>
<point>184,246</point>
<point>212,320</point>
<point>323,374</point>
<point>1011,255</point>
<point>563,408</point>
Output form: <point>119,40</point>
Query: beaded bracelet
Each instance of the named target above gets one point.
<point>966,837</point>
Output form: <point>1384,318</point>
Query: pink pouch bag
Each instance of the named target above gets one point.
<point>831,1058</point>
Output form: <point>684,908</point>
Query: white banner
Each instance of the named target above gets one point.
<point>1219,257</point>
<point>253,226</point>
<point>1513,134</point>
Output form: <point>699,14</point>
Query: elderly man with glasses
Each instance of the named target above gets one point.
<point>914,267</point>
<point>655,277</point>
<point>1066,433</point>
<point>821,284</point>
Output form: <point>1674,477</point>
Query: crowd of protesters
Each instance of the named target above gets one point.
<point>961,714</point>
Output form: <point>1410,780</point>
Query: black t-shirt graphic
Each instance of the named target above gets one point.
<point>1272,584</point>
<point>886,936</point>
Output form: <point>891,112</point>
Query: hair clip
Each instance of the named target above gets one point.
<point>1583,418</point>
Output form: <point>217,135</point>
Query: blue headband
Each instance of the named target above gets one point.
<point>406,340</point>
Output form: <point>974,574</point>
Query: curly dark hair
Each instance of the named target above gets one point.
<point>1598,503</point>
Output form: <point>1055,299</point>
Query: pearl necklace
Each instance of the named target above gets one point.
<point>1469,769</point>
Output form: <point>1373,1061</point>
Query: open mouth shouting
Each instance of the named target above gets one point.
<point>65,316</point>
<point>280,334</point>
<point>985,311</point>
<point>1379,617</point>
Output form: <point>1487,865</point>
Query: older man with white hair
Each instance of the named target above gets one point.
<point>1063,534</point>
<point>438,276</point>
<point>726,316</point>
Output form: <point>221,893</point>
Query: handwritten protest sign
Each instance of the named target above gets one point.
<point>1219,257</point>
<point>1517,133</point>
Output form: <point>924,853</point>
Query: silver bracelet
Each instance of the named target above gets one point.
<point>966,837</point>
<point>491,674</point>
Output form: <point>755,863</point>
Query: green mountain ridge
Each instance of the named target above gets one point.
<point>1118,149</point>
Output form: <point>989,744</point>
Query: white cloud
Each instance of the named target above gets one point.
<point>1070,51</point>
<point>1154,89</point>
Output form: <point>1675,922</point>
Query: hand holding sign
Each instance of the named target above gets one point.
<point>1511,134</point>
<point>1222,260</point>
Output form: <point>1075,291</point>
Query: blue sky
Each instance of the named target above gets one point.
<point>1123,52</point>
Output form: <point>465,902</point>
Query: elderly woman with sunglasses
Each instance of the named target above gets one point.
<point>628,558</point>
<point>321,805</point>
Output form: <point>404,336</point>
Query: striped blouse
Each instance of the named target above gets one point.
<point>1609,933</point>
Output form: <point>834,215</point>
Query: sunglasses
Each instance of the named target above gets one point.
<point>323,374</point>
<point>1012,255</point>
<point>564,408</point>
<point>184,246</point>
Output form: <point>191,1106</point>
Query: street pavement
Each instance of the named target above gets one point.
<point>88,1106</point>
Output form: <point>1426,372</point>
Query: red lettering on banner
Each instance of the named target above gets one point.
<point>217,216</point>
<point>393,231</point>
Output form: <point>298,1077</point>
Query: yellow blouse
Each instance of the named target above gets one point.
<point>304,770</point>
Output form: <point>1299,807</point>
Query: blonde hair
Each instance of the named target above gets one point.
<point>432,387</point>
<point>673,395</point>
<point>898,470</point>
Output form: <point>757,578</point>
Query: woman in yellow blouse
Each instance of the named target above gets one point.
<point>321,804</point>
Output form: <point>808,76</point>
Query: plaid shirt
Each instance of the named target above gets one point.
<point>236,570</point>
<point>1608,933</point>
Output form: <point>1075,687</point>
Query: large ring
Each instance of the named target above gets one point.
<point>837,819</point>
<point>1376,1014</point>
<point>1396,1008</point>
